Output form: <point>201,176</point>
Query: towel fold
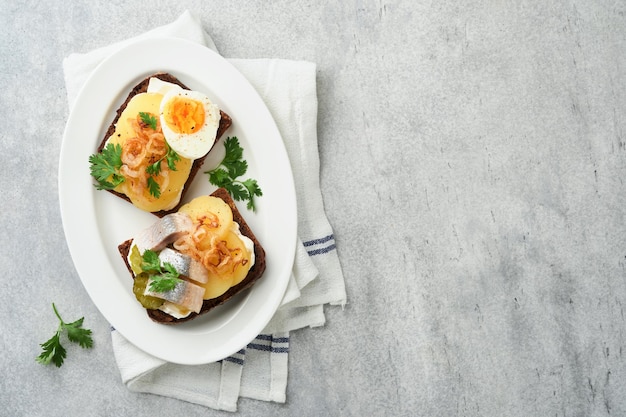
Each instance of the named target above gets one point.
<point>260,370</point>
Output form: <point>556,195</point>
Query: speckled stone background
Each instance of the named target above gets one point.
<point>473,157</point>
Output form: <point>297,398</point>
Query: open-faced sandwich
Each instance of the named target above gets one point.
<point>193,260</point>
<point>156,143</point>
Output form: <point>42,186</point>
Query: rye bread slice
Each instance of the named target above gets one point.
<point>225,122</point>
<point>253,275</point>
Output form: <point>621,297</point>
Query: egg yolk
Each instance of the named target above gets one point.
<point>184,115</point>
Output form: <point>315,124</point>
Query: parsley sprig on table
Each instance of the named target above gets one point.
<point>232,167</point>
<point>53,350</point>
<point>164,277</point>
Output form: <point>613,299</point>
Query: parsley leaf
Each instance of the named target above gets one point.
<point>232,167</point>
<point>171,157</point>
<point>237,168</point>
<point>237,191</point>
<point>234,151</point>
<point>162,283</point>
<point>148,119</point>
<point>253,190</point>
<point>77,334</point>
<point>164,276</point>
<point>219,177</point>
<point>105,167</point>
<point>150,261</point>
<point>53,350</point>
<point>154,169</point>
<point>154,187</point>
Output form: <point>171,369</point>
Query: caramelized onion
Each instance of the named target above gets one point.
<point>147,147</point>
<point>210,250</point>
<point>134,152</point>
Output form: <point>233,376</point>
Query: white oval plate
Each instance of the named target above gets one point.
<point>95,222</point>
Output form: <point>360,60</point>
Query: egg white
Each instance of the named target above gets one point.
<point>158,86</point>
<point>197,144</point>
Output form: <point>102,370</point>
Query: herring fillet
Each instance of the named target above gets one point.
<point>184,294</point>
<point>185,265</point>
<point>163,232</point>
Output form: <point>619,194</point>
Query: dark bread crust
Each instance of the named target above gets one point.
<point>142,87</point>
<point>253,275</point>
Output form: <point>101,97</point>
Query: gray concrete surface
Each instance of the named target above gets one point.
<point>473,157</point>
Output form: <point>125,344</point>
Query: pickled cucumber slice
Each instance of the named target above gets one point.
<point>139,287</point>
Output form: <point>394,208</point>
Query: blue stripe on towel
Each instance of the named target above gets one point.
<point>280,350</point>
<point>318,241</point>
<point>268,348</point>
<point>237,358</point>
<point>232,359</point>
<point>272,345</point>
<point>322,251</point>
<point>315,245</point>
<point>256,346</point>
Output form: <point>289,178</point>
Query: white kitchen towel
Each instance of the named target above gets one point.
<point>260,370</point>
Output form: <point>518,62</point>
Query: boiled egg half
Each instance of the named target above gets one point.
<point>189,121</point>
